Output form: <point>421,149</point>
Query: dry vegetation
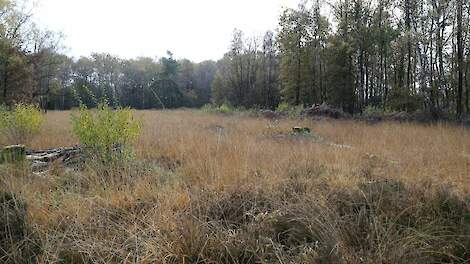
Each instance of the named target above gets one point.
<point>209,188</point>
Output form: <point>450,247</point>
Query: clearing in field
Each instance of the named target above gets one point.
<point>235,131</point>
<point>214,188</point>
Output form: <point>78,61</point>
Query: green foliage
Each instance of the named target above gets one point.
<point>225,108</point>
<point>339,57</point>
<point>302,34</point>
<point>401,100</point>
<point>106,133</point>
<point>208,108</point>
<point>219,89</point>
<point>289,110</point>
<point>19,125</point>
<point>282,107</point>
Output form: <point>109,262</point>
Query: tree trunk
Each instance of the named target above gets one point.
<point>459,58</point>
<point>408,30</point>
<point>297,88</point>
<point>385,96</point>
<point>367,90</point>
<point>320,79</point>
<point>5,81</point>
<point>440,56</point>
<point>361,80</point>
<point>431,70</point>
<point>143,96</point>
<point>467,91</point>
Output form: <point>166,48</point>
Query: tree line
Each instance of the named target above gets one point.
<point>33,70</point>
<point>401,55</point>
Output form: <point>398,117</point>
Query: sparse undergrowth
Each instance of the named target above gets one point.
<point>231,195</point>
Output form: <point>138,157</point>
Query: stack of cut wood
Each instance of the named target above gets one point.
<point>41,159</point>
<point>324,110</point>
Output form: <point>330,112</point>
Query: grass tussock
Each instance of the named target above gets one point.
<point>209,188</point>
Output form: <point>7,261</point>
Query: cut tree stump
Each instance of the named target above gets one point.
<point>301,130</point>
<point>13,154</point>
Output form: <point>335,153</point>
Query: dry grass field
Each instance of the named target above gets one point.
<point>213,188</point>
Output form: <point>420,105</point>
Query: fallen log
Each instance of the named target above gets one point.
<point>324,110</point>
<point>43,158</point>
<point>40,160</point>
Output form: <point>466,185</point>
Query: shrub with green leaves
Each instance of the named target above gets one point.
<point>282,107</point>
<point>209,108</point>
<point>226,108</point>
<point>105,133</point>
<point>20,124</point>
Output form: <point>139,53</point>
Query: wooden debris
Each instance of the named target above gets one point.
<point>12,154</point>
<point>42,159</point>
<point>301,130</point>
<point>324,110</point>
<point>269,114</point>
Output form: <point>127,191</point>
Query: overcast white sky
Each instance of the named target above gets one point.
<point>193,29</point>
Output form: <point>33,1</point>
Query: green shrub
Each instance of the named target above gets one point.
<point>209,108</point>
<point>225,109</point>
<point>400,100</point>
<point>282,107</point>
<point>21,124</point>
<point>105,133</point>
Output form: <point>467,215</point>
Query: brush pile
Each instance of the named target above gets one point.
<point>41,159</point>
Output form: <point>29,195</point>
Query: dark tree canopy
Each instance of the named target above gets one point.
<point>402,55</point>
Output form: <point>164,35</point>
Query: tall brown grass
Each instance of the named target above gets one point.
<point>209,188</point>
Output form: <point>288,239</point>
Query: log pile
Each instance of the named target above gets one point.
<point>324,110</point>
<point>42,159</point>
<point>271,115</point>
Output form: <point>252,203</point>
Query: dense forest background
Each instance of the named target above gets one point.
<point>390,55</point>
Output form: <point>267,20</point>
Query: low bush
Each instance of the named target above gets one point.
<point>225,109</point>
<point>208,108</point>
<point>282,107</point>
<point>20,124</point>
<point>105,133</point>
<point>213,108</point>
